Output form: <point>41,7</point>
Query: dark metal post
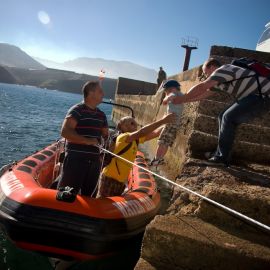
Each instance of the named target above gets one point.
<point>189,44</point>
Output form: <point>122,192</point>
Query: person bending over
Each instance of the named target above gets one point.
<point>252,98</point>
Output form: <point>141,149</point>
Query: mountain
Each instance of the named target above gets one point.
<point>63,80</point>
<point>17,67</point>
<point>113,69</point>
<point>13,56</point>
<point>6,76</point>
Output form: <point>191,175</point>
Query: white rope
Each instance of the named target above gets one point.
<point>106,143</point>
<point>230,210</point>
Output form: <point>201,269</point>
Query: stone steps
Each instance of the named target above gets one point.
<point>242,188</point>
<point>190,243</point>
<point>200,142</point>
<point>249,204</point>
<point>213,108</point>
<point>144,265</point>
<point>245,132</point>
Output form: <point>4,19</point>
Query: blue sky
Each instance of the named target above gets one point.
<point>146,32</point>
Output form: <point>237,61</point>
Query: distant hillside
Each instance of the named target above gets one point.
<point>19,68</point>
<point>56,79</point>
<point>113,69</point>
<point>13,56</point>
<point>5,76</point>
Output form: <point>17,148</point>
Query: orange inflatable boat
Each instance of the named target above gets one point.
<point>85,229</point>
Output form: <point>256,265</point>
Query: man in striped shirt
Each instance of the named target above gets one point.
<point>250,102</point>
<point>83,127</point>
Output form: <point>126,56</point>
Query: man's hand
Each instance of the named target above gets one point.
<point>168,98</point>
<point>169,118</point>
<point>165,101</point>
<point>92,141</point>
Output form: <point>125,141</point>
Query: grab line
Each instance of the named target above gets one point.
<point>230,210</point>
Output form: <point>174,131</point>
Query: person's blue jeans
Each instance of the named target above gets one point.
<point>237,113</point>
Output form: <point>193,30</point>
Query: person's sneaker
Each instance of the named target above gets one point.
<point>156,162</point>
<point>208,155</point>
<point>216,161</point>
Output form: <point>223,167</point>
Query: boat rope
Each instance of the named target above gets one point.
<point>217,204</point>
<point>106,142</point>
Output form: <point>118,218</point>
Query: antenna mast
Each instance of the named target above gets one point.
<point>189,43</point>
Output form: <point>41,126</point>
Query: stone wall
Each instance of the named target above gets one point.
<point>226,54</point>
<point>135,87</point>
<point>193,234</point>
<point>199,125</point>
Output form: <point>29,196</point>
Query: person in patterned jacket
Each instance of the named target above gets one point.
<point>249,101</point>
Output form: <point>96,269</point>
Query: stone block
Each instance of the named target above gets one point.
<point>214,108</point>
<point>144,265</point>
<point>135,87</point>
<point>200,142</point>
<point>172,242</point>
<point>252,201</point>
<point>244,132</point>
<point>230,52</point>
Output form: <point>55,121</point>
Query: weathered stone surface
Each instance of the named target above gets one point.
<point>200,142</point>
<point>244,189</point>
<point>245,132</point>
<point>229,52</point>
<point>135,87</point>
<point>214,108</point>
<point>194,234</point>
<point>144,265</point>
<point>189,243</point>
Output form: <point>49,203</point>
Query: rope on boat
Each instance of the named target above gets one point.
<point>219,205</point>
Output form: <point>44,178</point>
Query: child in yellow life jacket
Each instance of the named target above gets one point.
<point>114,176</point>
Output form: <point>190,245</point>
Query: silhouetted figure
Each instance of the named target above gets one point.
<point>161,76</point>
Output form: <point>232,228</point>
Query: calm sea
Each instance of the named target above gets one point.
<point>31,118</point>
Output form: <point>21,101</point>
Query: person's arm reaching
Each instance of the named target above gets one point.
<point>68,131</point>
<point>144,131</point>
<point>153,134</point>
<point>197,92</point>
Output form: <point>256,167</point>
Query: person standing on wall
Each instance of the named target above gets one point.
<point>161,77</point>
<point>83,127</point>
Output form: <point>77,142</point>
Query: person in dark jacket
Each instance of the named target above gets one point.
<point>161,77</point>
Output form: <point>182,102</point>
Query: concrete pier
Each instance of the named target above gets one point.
<point>193,234</point>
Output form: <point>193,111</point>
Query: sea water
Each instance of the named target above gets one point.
<point>31,118</point>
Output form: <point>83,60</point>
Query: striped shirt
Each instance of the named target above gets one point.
<point>239,88</point>
<point>90,123</point>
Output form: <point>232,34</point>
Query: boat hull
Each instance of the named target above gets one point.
<point>86,229</point>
